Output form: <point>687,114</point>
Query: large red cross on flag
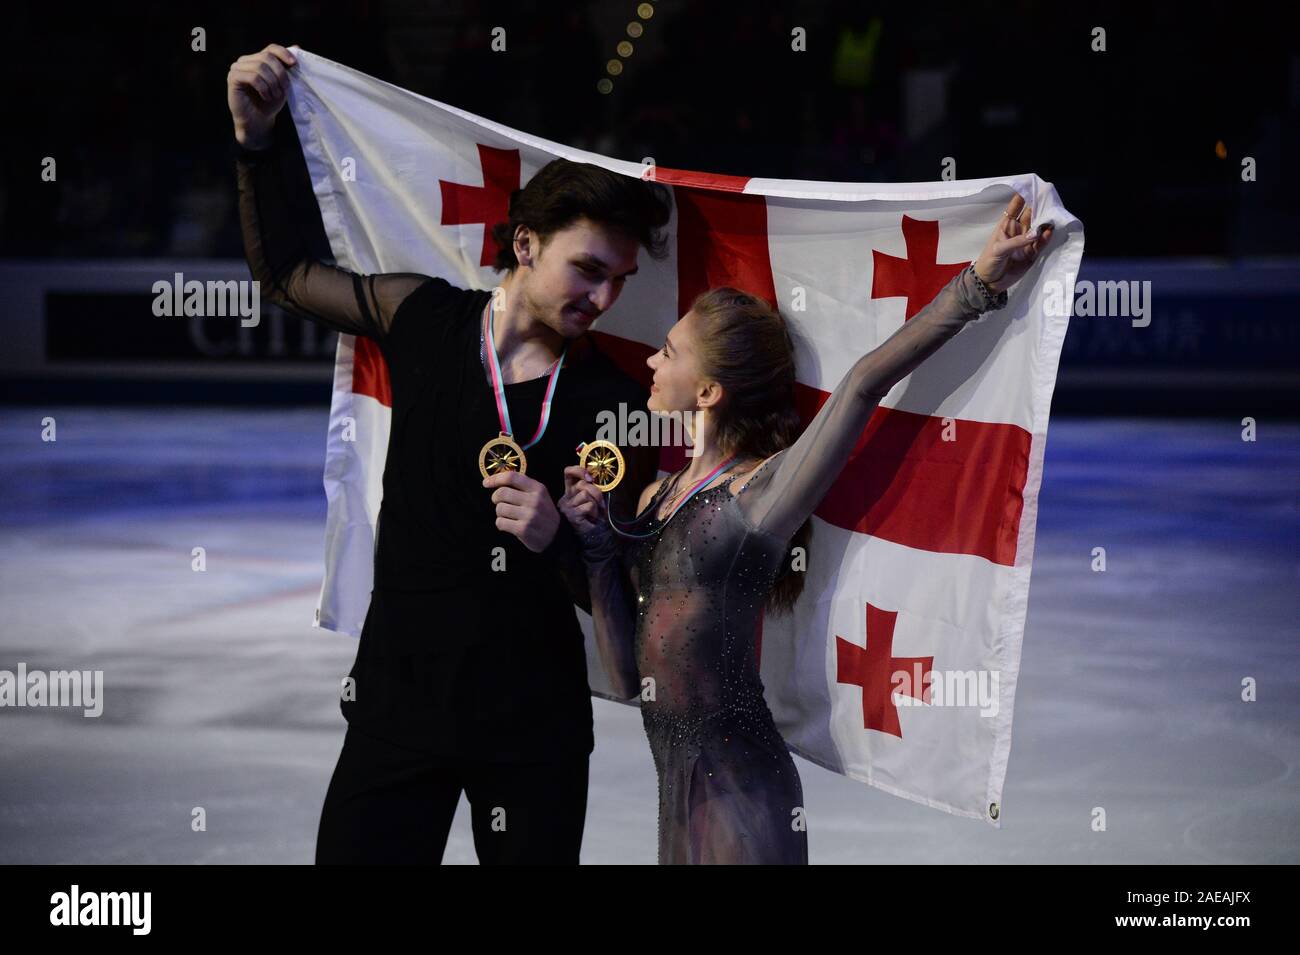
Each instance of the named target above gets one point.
<point>898,666</point>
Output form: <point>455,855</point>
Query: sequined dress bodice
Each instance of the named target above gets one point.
<point>700,586</point>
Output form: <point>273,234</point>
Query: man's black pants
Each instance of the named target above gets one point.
<point>388,804</point>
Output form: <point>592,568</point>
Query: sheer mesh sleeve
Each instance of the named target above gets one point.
<point>564,554</point>
<point>784,491</point>
<point>276,207</point>
<point>613,614</point>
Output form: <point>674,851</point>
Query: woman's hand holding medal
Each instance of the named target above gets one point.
<point>583,504</point>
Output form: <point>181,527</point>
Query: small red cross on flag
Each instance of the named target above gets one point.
<point>487,204</point>
<point>919,276</point>
<point>873,669</point>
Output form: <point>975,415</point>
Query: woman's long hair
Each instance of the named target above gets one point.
<point>744,344</point>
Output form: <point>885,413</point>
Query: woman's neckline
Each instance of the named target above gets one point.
<point>724,483</point>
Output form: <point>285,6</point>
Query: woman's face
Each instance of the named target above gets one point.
<point>677,383</point>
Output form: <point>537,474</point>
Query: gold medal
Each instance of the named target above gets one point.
<point>603,461</point>
<point>501,454</point>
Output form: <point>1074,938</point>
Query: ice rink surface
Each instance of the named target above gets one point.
<point>220,694</point>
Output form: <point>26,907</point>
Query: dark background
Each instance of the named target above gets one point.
<point>139,125</point>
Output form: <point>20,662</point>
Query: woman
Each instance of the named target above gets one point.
<point>707,550</point>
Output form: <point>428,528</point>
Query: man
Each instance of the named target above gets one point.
<point>470,671</point>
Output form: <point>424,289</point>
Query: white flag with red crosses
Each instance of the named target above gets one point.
<point>898,667</point>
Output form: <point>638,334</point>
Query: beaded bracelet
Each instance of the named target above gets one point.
<point>991,300</point>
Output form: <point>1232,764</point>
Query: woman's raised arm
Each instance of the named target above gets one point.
<point>786,488</point>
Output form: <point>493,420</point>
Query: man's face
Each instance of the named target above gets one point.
<point>578,275</point>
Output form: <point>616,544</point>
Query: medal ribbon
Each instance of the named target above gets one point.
<point>498,388</point>
<point>725,465</point>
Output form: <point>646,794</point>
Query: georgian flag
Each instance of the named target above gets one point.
<point>898,667</point>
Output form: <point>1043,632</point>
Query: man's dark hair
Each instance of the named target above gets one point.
<point>564,191</point>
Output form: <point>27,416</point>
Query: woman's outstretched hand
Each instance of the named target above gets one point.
<point>1013,248</point>
<point>257,87</point>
